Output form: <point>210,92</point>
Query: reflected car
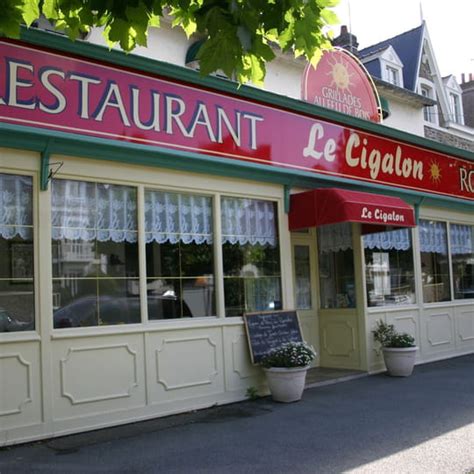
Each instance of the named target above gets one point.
<point>85,311</point>
<point>9,324</point>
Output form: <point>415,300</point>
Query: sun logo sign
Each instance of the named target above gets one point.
<point>341,77</point>
<point>340,82</point>
<point>435,172</point>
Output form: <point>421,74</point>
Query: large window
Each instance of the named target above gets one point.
<point>179,255</point>
<point>462,257</point>
<point>17,308</point>
<point>434,261</point>
<point>389,268</point>
<point>251,255</point>
<point>95,254</point>
<point>336,266</point>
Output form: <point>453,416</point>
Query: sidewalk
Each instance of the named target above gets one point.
<point>376,424</point>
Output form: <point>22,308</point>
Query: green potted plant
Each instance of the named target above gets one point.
<point>399,349</point>
<point>285,368</point>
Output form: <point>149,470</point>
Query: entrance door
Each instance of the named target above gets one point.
<point>339,296</point>
<point>304,277</point>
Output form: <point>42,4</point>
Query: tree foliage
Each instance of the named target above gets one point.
<point>238,34</point>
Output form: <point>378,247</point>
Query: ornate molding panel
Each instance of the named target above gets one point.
<point>17,403</point>
<point>343,333</point>
<point>117,383</point>
<point>241,363</point>
<point>466,325</point>
<point>437,329</point>
<point>190,359</point>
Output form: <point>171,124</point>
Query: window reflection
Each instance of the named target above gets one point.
<point>462,256</point>
<point>179,255</point>
<point>336,266</point>
<point>95,254</point>
<point>17,307</point>
<point>302,277</point>
<point>251,256</point>
<point>389,271</point>
<point>434,261</point>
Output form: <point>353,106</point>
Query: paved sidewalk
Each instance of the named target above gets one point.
<point>376,424</point>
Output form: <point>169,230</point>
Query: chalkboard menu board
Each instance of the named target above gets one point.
<point>270,329</point>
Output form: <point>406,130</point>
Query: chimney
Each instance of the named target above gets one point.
<point>347,41</point>
<point>463,78</point>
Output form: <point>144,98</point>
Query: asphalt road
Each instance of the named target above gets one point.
<point>377,424</point>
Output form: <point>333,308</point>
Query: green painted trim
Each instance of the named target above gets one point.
<point>417,210</point>
<point>44,168</point>
<point>102,54</point>
<point>36,139</point>
<point>287,194</point>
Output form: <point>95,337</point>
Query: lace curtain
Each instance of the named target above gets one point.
<point>248,221</point>
<point>462,239</point>
<point>399,239</point>
<point>172,217</point>
<point>16,207</point>
<point>93,211</point>
<point>433,237</point>
<point>335,238</point>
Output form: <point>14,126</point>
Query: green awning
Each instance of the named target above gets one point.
<point>385,107</point>
<point>191,54</point>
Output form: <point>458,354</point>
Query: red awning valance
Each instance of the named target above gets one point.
<point>333,205</point>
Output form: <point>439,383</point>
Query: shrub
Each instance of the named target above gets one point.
<point>387,336</point>
<point>291,354</point>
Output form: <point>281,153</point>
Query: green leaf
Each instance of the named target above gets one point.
<point>329,17</point>
<point>50,9</point>
<point>30,11</point>
<point>11,17</point>
<point>220,52</point>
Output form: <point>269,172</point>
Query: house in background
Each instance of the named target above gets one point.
<point>421,101</point>
<point>467,86</point>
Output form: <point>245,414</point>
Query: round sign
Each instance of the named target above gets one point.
<point>340,82</point>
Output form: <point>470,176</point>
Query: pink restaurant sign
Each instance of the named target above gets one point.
<point>49,90</point>
<point>340,82</point>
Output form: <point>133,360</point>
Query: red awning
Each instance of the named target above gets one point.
<point>332,206</point>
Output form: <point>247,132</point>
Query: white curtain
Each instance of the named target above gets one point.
<point>16,207</point>
<point>335,238</point>
<point>172,217</point>
<point>92,211</point>
<point>433,237</point>
<point>248,221</point>
<point>462,239</point>
<point>392,240</point>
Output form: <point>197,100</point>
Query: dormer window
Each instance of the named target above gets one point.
<point>429,113</point>
<point>393,76</point>
<point>454,95</point>
<point>455,105</point>
<point>391,67</point>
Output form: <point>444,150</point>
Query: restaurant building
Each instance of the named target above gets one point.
<point>144,209</point>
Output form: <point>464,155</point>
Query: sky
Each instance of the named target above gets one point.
<point>450,26</point>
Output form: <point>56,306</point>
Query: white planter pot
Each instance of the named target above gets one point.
<point>286,384</point>
<point>399,360</point>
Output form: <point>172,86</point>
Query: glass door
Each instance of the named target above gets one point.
<point>304,277</point>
